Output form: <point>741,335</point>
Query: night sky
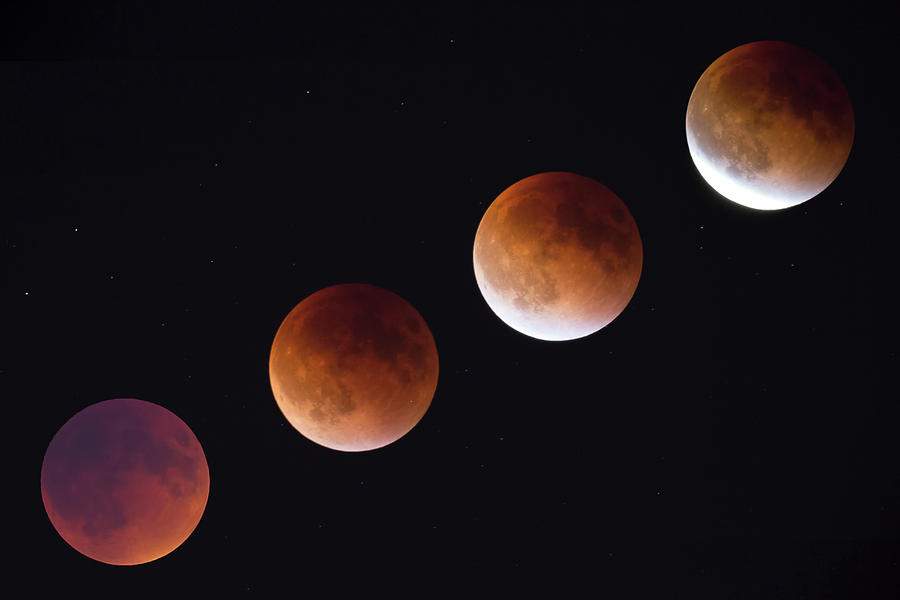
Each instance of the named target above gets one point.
<point>174,181</point>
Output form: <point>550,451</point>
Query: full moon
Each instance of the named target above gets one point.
<point>124,481</point>
<point>769,125</point>
<point>557,256</point>
<point>353,367</point>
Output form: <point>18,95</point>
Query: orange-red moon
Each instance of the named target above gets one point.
<point>557,256</point>
<point>124,481</point>
<point>769,125</point>
<point>353,367</point>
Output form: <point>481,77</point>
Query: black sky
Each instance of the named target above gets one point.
<point>175,180</point>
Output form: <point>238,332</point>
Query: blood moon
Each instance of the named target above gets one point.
<point>353,367</point>
<point>557,256</point>
<point>769,125</point>
<point>124,481</point>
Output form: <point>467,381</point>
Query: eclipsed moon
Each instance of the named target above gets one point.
<point>769,125</point>
<point>353,367</point>
<point>124,481</point>
<point>557,256</point>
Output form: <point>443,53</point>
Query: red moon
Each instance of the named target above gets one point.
<point>769,125</point>
<point>353,367</point>
<point>124,481</point>
<point>557,256</point>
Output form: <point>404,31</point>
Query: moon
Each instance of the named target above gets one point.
<point>124,481</point>
<point>353,367</point>
<point>557,256</point>
<point>769,125</point>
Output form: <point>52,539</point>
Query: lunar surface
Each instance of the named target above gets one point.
<point>353,367</point>
<point>557,256</point>
<point>124,481</point>
<point>769,125</point>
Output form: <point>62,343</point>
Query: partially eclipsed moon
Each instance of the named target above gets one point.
<point>557,256</point>
<point>769,125</point>
<point>124,481</point>
<point>353,367</point>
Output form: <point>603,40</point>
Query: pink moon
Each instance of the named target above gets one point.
<point>124,481</point>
